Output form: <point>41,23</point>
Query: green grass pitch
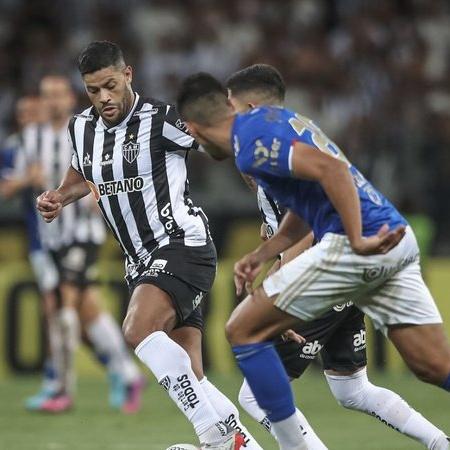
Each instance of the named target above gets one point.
<point>92,426</point>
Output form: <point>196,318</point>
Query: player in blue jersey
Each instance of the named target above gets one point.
<point>339,334</point>
<point>366,252</point>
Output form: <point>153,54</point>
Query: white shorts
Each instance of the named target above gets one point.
<point>388,288</point>
<point>45,271</point>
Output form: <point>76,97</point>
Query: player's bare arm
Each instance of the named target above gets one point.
<point>72,188</point>
<point>336,180</point>
<point>292,229</point>
<point>298,248</point>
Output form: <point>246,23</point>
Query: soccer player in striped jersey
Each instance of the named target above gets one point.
<point>338,335</point>
<point>131,151</point>
<point>366,252</point>
<point>65,264</point>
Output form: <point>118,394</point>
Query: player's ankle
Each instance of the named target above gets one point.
<point>214,434</point>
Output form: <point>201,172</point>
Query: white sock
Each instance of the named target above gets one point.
<point>289,434</point>
<point>107,338</point>
<point>228,413</point>
<point>71,337</point>
<point>171,366</point>
<point>248,402</point>
<point>358,393</point>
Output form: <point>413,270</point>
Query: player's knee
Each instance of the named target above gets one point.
<point>238,333</point>
<point>232,331</point>
<point>135,332</point>
<point>346,393</point>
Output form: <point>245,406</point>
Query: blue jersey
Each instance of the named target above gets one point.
<point>263,142</point>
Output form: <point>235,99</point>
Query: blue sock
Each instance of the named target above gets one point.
<point>267,378</point>
<point>446,384</point>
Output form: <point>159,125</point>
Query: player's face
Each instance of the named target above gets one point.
<point>58,99</point>
<point>28,110</point>
<point>109,90</point>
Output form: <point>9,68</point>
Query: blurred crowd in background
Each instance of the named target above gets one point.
<point>374,75</point>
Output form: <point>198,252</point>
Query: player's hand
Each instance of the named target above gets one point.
<point>291,335</point>
<point>49,204</point>
<point>245,272</point>
<point>380,243</point>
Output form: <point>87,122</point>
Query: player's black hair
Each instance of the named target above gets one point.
<point>258,77</point>
<point>201,98</point>
<point>98,55</point>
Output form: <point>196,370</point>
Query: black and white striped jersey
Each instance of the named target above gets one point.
<point>51,151</point>
<point>137,172</point>
<point>271,212</point>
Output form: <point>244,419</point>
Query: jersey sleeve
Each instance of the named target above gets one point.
<point>175,132</point>
<point>268,154</point>
<point>75,162</point>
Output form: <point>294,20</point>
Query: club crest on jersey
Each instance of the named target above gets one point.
<point>130,149</point>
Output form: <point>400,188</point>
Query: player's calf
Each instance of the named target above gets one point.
<point>426,351</point>
<point>356,392</point>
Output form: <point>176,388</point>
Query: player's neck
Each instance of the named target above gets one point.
<point>221,135</point>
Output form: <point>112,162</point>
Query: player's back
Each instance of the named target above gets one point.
<point>263,142</point>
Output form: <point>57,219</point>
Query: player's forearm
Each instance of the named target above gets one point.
<point>73,187</point>
<point>338,184</point>
<point>298,248</point>
<point>292,229</point>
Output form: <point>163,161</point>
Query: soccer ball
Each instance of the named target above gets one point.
<point>183,447</point>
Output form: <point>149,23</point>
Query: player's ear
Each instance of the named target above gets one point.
<point>128,72</point>
<point>192,128</point>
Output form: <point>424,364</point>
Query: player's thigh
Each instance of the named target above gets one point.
<point>345,349</point>
<point>425,349</point>
<point>175,282</point>
<point>190,338</point>
<point>150,309</point>
<point>256,319</point>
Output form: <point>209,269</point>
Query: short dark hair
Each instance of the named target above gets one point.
<point>98,55</point>
<point>258,77</point>
<point>201,98</point>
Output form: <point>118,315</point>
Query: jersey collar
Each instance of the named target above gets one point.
<point>124,122</point>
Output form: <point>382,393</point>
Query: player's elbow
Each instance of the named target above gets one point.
<point>332,169</point>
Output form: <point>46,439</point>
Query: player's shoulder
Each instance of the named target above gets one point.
<point>88,115</point>
<point>261,121</point>
<point>259,130</point>
<point>154,105</point>
<point>166,111</point>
